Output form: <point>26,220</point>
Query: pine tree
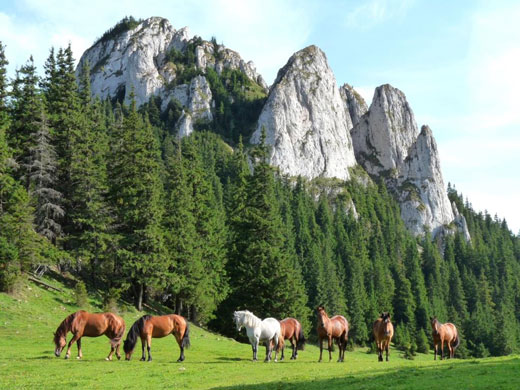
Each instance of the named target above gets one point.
<point>265,282</point>
<point>137,194</point>
<point>40,167</point>
<point>90,216</point>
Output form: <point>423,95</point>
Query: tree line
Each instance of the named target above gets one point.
<point>107,191</point>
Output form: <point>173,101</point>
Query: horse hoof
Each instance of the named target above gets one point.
<point>67,356</point>
<point>142,359</point>
<point>78,357</point>
<point>119,358</point>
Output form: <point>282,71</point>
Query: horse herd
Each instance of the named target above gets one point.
<point>269,331</point>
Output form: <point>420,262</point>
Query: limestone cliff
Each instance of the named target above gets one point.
<point>306,123</point>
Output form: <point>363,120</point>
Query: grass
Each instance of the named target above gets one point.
<point>28,319</point>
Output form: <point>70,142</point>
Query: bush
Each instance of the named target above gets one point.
<point>422,342</point>
<point>80,294</point>
<point>110,299</point>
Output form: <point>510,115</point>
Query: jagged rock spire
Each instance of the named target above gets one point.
<point>305,120</point>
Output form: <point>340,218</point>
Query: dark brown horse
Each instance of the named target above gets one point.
<point>148,327</point>
<point>332,328</point>
<point>383,332</point>
<point>442,333</point>
<point>83,324</point>
<point>291,330</point>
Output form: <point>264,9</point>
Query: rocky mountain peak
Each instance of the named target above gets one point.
<point>354,103</point>
<point>152,58</point>
<point>306,123</point>
<point>385,133</point>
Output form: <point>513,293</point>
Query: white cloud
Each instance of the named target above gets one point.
<point>264,31</point>
<point>373,12</point>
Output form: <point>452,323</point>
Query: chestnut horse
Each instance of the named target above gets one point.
<point>291,329</point>
<point>383,332</point>
<point>332,328</point>
<point>83,324</point>
<point>148,327</point>
<point>444,333</point>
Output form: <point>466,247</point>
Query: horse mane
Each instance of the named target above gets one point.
<point>249,319</point>
<point>134,332</point>
<point>66,326</point>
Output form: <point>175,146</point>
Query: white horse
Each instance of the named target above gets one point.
<point>259,331</point>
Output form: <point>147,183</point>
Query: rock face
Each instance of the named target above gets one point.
<point>387,144</point>
<point>306,123</point>
<point>385,133</point>
<point>423,197</point>
<point>354,103</point>
<point>140,59</point>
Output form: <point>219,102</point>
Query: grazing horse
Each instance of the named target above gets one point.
<point>332,328</point>
<point>84,324</point>
<point>267,330</point>
<point>444,333</point>
<point>291,329</point>
<point>148,327</point>
<point>383,332</point>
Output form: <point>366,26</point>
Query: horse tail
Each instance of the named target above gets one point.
<point>134,332</point>
<point>118,326</point>
<point>186,338</point>
<point>457,341</point>
<point>300,344</point>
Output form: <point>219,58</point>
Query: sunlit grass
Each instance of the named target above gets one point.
<point>28,320</point>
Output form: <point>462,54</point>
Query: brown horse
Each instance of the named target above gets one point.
<point>83,324</point>
<point>148,327</point>
<point>383,332</point>
<point>332,328</point>
<point>444,333</point>
<point>291,330</point>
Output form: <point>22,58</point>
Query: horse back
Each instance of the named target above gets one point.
<point>451,331</point>
<point>289,327</point>
<point>92,324</point>
<point>339,326</point>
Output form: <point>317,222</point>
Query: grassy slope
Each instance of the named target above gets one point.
<point>27,361</point>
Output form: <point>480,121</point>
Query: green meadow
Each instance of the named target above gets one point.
<point>29,318</point>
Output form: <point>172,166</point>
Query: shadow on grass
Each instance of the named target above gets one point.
<point>474,374</point>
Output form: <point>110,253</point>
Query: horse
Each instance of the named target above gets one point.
<point>148,327</point>
<point>383,332</point>
<point>444,333</point>
<point>267,330</point>
<point>332,328</point>
<point>84,324</point>
<point>291,329</point>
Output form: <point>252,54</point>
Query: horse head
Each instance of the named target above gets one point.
<point>59,342</point>
<point>127,347</point>
<point>237,319</point>
<point>320,310</point>
<point>387,323</point>
<point>435,323</point>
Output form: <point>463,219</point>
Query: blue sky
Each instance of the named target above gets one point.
<point>458,62</point>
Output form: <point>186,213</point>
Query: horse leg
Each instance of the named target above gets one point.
<point>72,341</point>
<point>143,356</point>
<point>149,346</point>
<point>255,349</point>
<point>112,349</point>
<point>330,348</point>
<point>379,351</point>
<point>321,348</point>
<point>387,348</point>
<point>450,350</point>
<point>435,346</point>
<point>293,346</point>
<point>78,343</point>
<point>118,354</point>
<point>442,349</point>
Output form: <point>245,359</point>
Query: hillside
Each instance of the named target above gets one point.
<point>28,318</point>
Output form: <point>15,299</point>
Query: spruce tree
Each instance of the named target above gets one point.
<point>137,195</point>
